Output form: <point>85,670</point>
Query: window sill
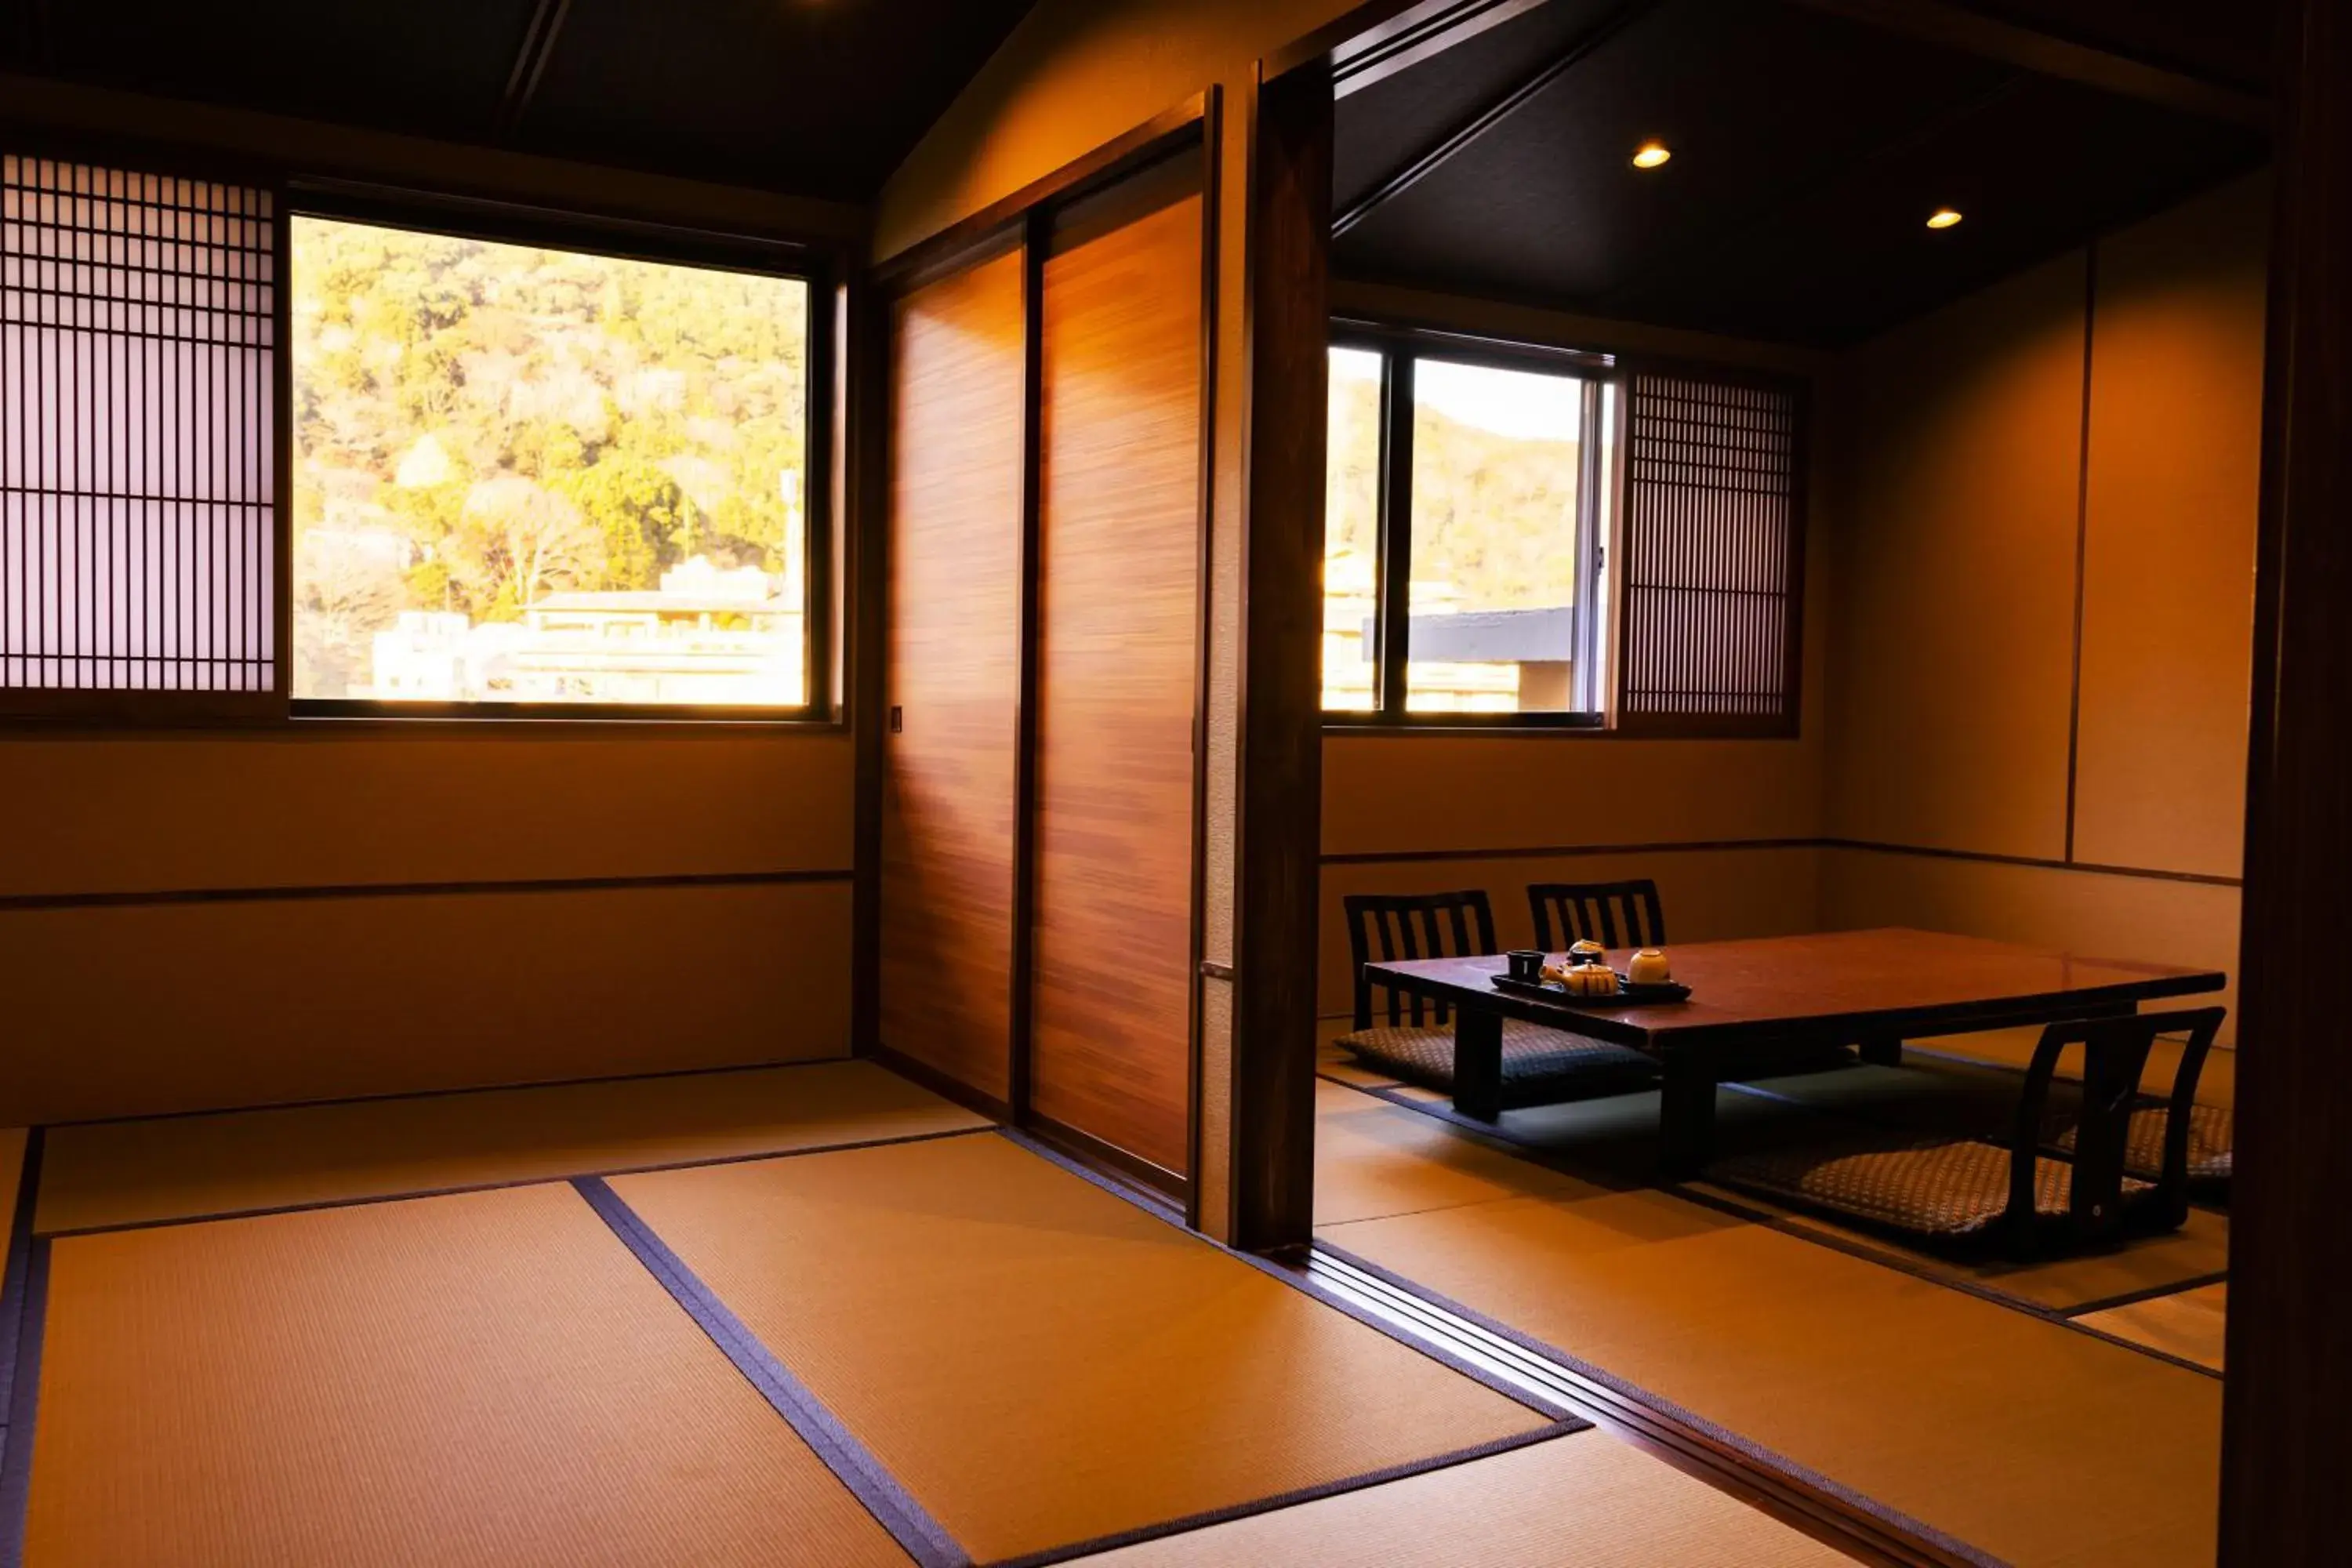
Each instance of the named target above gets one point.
<point>1590,725</point>
<point>312,726</point>
<point>1520,729</point>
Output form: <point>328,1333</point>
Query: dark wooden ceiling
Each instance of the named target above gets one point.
<point>819,97</point>
<point>1810,148</point>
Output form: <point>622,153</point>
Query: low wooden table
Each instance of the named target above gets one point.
<point>1752,1000</point>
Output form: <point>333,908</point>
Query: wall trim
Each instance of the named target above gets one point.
<point>1695,846</point>
<point>1561,851</point>
<point>19,903</point>
<point>2033,862</point>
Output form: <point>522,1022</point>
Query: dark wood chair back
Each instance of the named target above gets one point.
<point>2114,1054</point>
<point>1614,914</point>
<point>1386,927</point>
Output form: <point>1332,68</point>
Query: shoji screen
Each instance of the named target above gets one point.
<point>1711,557</point>
<point>953,674</point>
<point>137,462</point>
<point>1120,410</point>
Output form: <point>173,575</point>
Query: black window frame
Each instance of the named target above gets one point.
<point>826,267</point>
<point>1403,346</point>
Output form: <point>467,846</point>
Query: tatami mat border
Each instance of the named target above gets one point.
<point>1562,1428</point>
<point>23,1317</point>
<point>1754,1452</point>
<point>1298,1280</point>
<point>546,1181</point>
<point>12,1274</point>
<point>892,1506</point>
<point>1494,1138</point>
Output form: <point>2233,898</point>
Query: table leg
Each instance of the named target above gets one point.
<point>1479,1063</point>
<point>1686,1115</point>
<point>1883,1051</point>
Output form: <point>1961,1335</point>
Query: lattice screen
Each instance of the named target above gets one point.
<point>1710,555</point>
<point>136,432</point>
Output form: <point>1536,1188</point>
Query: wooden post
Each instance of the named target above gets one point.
<point>1280,797</point>
<point>2285,1501</point>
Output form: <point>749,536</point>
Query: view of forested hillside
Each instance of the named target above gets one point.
<point>1494,512</point>
<point>477,425</point>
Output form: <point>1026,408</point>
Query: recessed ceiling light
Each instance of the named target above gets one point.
<point>1943,218</point>
<point>1650,155</point>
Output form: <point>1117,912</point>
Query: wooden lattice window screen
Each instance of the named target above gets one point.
<point>137,459</point>
<point>1711,561</point>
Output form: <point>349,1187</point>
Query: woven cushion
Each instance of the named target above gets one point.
<point>2209,1151</point>
<point>1537,1061</point>
<point>1933,1187</point>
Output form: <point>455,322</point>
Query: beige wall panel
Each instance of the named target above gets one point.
<point>2088,912</point>
<point>131,1010</point>
<point>2168,585</point>
<point>1960,438</point>
<point>92,815</point>
<point>1710,895</point>
<point>1385,793</point>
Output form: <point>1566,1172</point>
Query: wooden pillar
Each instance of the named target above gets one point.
<point>2284,1497</point>
<point>1278,837</point>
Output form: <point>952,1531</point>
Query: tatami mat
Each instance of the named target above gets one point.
<point>1614,1140</point>
<point>1585,1501</point>
<point>2031,1441</point>
<point>2189,1324</point>
<point>1042,1364</point>
<point>2199,1250</point>
<point>1371,1161</point>
<point>488,1378</point>
<point>129,1172</point>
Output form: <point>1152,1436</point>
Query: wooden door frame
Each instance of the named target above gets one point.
<point>2289,1359</point>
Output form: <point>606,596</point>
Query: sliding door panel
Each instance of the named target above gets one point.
<point>953,675</point>
<point>1120,406</point>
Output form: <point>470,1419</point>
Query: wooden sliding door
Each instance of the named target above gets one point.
<point>1120,410</point>
<point>950,811</point>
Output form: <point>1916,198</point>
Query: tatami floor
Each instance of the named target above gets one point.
<point>797,1315</point>
<point>2060,1413</point>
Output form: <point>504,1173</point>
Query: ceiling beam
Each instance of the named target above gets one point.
<point>1419,33</point>
<point>1955,26</point>
<point>1487,117</point>
<point>531,61</point>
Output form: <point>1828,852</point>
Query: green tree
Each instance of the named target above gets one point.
<point>644,517</point>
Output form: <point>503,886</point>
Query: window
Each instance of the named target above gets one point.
<point>533,476</point>
<point>257,465</point>
<point>136,488</point>
<point>1531,538</point>
<point>1351,533</point>
<point>1465,522</point>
